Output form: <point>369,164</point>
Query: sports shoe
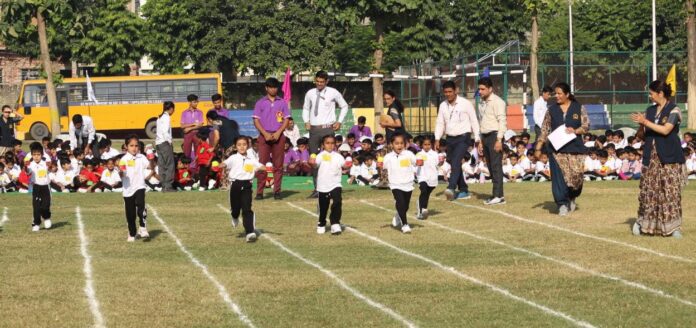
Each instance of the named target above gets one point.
<point>336,229</point>
<point>158,188</point>
<point>251,237</point>
<point>495,201</point>
<point>542,179</point>
<point>396,221</point>
<point>65,191</point>
<point>321,230</point>
<point>201,188</point>
<point>235,222</point>
<point>211,184</point>
<point>449,194</point>
<point>677,234</point>
<point>196,185</point>
<point>35,228</point>
<point>463,195</point>
<point>47,224</point>
<point>276,196</point>
<point>258,197</point>
<point>187,188</point>
<point>636,229</point>
<point>419,216</point>
<point>97,190</point>
<point>573,206</point>
<point>25,191</point>
<point>563,210</point>
<point>424,214</point>
<point>375,182</point>
<point>406,229</point>
<point>130,239</point>
<point>118,189</point>
<point>142,232</point>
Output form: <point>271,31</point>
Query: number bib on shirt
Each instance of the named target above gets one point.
<point>131,163</point>
<point>326,158</point>
<point>42,173</point>
<point>405,163</point>
<point>248,168</point>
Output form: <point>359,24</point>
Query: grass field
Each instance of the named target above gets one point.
<point>517,265</point>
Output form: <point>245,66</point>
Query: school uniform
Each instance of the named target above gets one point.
<point>400,171</point>
<point>111,180</point>
<point>242,169</point>
<point>368,173</point>
<point>542,171</point>
<point>133,180</point>
<point>427,177</point>
<point>329,166</point>
<point>41,193</point>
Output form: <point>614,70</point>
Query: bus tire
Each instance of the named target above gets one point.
<point>151,129</point>
<point>38,131</point>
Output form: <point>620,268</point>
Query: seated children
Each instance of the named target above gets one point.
<point>184,180</point>
<point>368,171</point>
<point>111,178</point>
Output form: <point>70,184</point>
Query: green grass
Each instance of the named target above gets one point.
<point>154,284</point>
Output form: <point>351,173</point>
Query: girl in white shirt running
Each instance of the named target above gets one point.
<point>132,168</point>
<point>400,165</point>
<point>330,164</point>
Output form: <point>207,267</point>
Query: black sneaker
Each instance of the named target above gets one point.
<point>276,196</point>
<point>314,194</point>
<point>259,197</point>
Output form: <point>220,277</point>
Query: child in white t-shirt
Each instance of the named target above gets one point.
<point>5,180</point>
<point>37,170</point>
<point>354,171</point>
<point>543,169</point>
<point>368,171</point>
<point>469,168</point>
<point>513,171</point>
<point>330,164</point>
<point>242,167</point>
<point>399,164</point>
<point>132,168</point>
<point>426,173</point>
<point>63,180</point>
<point>482,171</point>
<point>444,169</point>
<point>690,164</point>
<point>111,179</point>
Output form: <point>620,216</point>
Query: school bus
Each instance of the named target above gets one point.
<point>123,103</point>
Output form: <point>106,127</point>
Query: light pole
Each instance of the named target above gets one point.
<point>570,41</point>
<point>654,43</point>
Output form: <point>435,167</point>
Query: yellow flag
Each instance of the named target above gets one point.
<point>672,79</point>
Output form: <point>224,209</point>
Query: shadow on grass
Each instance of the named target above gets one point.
<point>59,225</point>
<point>153,234</point>
<point>549,206</point>
<point>630,221</point>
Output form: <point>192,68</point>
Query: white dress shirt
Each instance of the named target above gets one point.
<point>323,111</point>
<point>456,119</point>
<point>164,129</point>
<point>540,108</point>
<point>87,130</point>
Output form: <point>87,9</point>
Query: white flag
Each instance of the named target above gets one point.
<point>90,91</point>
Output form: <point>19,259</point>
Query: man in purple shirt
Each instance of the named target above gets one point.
<point>191,121</point>
<point>360,131</point>
<point>270,116</point>
<point>217,106</point>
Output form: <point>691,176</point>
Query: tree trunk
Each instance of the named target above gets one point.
<point>48,68</point>
<point>691,66</point>
<point>377,89</point>
<point>533,59</point>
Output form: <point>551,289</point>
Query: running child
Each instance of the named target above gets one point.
<point>399,164</point>
<point>132,168</point>
<point>330,164</point>
<point>427,160</point>
<point>242,167</point>
<point>37,170</point>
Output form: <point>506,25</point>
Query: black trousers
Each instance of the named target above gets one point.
<point>562,194</point>
<point>135,205</point>
<point>425,191</point>
<point>456,148</point>
<point>402,198</point>
<point>336,207</point>
<point>106,186</point>
<point>495,162</point>
<point>240,202</point>
<point>41,203</point>
<point>203,176</point>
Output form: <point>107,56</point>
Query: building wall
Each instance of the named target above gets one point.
<point>14,69</point>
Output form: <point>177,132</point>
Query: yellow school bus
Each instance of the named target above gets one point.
<point>123,103</point>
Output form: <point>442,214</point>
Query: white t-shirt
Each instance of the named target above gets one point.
<point>468,170</point>
<point>524,163</point>
<point>134,176</point>
<point>444,170</point>
<point>38,173</point>
<point>355,170</point>
<point>110,153</point>
<point>614,163</point>
<point>14,172</point>
<point>589,164</point>
<point>113,177</point>
<point>428,172</point>
<point>153,180</point>
<point>514,171</point>
<point>65,178</point>
<point>242,167</point>
<point>691,165</point>
<point>541,167</point>
<point>329,174</point>
<point>482,168</point>
<point>400,169</point>
<point>368,172</point>
<point>4,179</point>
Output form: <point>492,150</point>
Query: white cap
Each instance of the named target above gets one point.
<point>269,164</point>
<point>509,134</point>
<point>363,138</point>
<point>344,147</point>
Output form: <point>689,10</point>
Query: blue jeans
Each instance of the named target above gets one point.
<point>456,148</point>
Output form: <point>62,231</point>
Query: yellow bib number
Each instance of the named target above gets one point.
<point>405,163</point>
<point>131,163</point>
<point>248,168</point>
<point>42,173</point>
<point>326,158</point>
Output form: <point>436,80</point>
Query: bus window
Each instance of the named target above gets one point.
<point>183,88</point>
<point>134,90</point>
<point>208,88</point>
<point>77,93</point>
<point>157,90</point>
<point>107,91</point>
<point>35,95</point>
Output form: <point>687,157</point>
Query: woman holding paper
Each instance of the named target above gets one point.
<point>662,179</point>
<point>564,119</point>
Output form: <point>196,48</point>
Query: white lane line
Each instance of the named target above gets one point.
<point>221,289</point>
<point>462,275</point>
<point>581,234</point>
<point>87,269</point>
<point>337,280</point>
<point>571,265</point>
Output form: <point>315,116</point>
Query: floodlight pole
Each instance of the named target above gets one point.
<point>654,42</point>
<point>570,41</point>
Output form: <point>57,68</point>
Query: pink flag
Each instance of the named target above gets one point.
<point>287,93</point>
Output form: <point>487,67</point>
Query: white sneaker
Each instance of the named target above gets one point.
<point>419,216</point>
<point>336,229</point>
<point>130,239</point>
<point>35,228</point>
<point>542,179</point>
<point>250,238</point>
<point>406,228</point>
<point>118,190</point>
<point>235,222</point>
<point>65,191</point>
<point>187,188</point>
<point>47,224</point>
<point>321,230</point>
<point>424,214</point>
<point>360,183</point>
<point>142,232</point>
<point>83,191</point>
<point>211,184</point>
<point>158,188</point>
<point>396,221</point>
<point>449,194</point>
<point>495,201</point>
<point>23,191</point>
<point>201,189</point>
<point>375,182</point>
<point>563,210</point>
<point>97,190</point>
<point>195,185</point>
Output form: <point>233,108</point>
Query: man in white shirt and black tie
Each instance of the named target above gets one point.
<point>540,108</point>
<point>456,119</point>
<point>319,114</point>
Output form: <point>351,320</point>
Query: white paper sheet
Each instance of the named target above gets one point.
<point>560,137</point>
